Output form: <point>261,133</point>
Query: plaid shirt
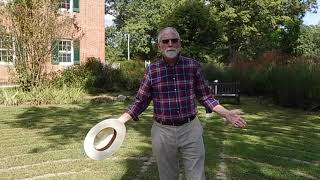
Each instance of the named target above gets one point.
<point>173,89</point>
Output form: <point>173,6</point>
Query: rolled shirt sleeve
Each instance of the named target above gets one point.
<point>142,99</point>
<point>202,91</point>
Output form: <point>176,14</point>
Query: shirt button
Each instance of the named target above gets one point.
<point>178,111</point>
<point>174,78</point>
<point>175,89</point>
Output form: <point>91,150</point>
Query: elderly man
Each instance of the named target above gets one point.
<point>173,83</point>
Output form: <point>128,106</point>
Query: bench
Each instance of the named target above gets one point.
<point>225,90</point>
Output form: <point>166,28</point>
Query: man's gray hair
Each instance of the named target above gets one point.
<point>168,29</point>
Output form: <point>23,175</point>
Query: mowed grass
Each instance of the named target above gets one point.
<point>47,143</point>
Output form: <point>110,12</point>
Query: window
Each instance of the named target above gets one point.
<point>6,50</point>
<point>69,5</point>
<point>65,4</point>
<point>65,54</point>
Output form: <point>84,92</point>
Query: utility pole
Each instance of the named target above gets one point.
<point>128,46</point>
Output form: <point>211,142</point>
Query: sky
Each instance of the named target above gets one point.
<point>312,18</point>
<point>108,20</point>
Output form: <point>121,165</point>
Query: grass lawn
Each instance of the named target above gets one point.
<point>47,143</point>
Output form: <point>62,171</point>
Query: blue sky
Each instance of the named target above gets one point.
<point>108,20</point>
<point>312,18</point>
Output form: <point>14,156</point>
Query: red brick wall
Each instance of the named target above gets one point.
<point>91,18</point>
<point>91,21</point>
<point>4,77</point>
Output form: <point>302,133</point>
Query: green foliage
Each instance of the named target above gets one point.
<point>141,19</point>
<point>116,44</point>
<point>224,30</point>
<point>249,26</point>
<point>8,97</point>
<point>309,42</point>
<point>42,141</point>
<point>217,71</point>
<point>95,77</point>
<point>296,83</point>
<point>70,85</point>
<point>132,73</point>
<point>289,81</point>
<point>198,29</point>
<point>33,26</point>
<point>41,95</point>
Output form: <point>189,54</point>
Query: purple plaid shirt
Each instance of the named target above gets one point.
<point>173,89</point>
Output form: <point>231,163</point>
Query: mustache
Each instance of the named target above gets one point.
<point>171,49</point>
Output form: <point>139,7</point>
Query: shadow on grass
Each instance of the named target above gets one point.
<point>278,143</point>
<point>65,125</point>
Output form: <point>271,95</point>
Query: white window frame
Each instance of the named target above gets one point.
<point>71,53</point>
<point>12,53</point>
<point>68,10</point>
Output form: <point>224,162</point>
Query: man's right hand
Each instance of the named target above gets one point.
<point>125,117</point>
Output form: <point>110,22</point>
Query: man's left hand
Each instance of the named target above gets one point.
<point>234,117</point>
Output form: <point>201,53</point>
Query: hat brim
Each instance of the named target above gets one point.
<point>113,136</point>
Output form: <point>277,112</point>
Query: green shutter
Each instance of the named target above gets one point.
<point>76,5</point>
<point>55,53</point>
<point>76,52</point>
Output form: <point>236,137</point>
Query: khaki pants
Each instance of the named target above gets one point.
<point>168,141</point>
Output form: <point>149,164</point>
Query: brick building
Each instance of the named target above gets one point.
<point>89,15</point>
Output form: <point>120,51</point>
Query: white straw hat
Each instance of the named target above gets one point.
<point>104,139</point>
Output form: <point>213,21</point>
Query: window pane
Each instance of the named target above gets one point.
<point>65,51</point>
<point>68,58</point>
<point>60,46</point>
<point>1,43</point>
<point>65,4</point>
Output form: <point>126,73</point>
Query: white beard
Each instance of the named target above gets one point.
<point>172,53</point>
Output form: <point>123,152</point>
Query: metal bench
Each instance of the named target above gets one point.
<point>225,90</point>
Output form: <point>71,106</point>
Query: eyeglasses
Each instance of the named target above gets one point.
<point>166,41</point>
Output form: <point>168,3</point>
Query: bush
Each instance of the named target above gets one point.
<point>289,81</point>
<point>70,85</point>
<point>217,71</point>
<point>95,77</point>
<point>40,95</point>
<point>132,74</point>
<point>296,83</point>
<point>293,82</point>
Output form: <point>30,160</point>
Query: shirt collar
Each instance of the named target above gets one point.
<point>178,61</point>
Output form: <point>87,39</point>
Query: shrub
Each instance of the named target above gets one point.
<point>289,81</point>
<point>95,77</point>
<point>132,74</point>
<point>41,95</point>
<point>217,71</point>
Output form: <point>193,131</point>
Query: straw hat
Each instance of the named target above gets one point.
<point>104,139</point>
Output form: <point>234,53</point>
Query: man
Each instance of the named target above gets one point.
<point>173,83</point>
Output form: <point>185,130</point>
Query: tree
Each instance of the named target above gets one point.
<point>116,44</point>
<point>34,26</point>
<point>309,41</point>
<point>250,26</point>
<point>228,28</point>
<point>198,29</point>
<point>141,19</point>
